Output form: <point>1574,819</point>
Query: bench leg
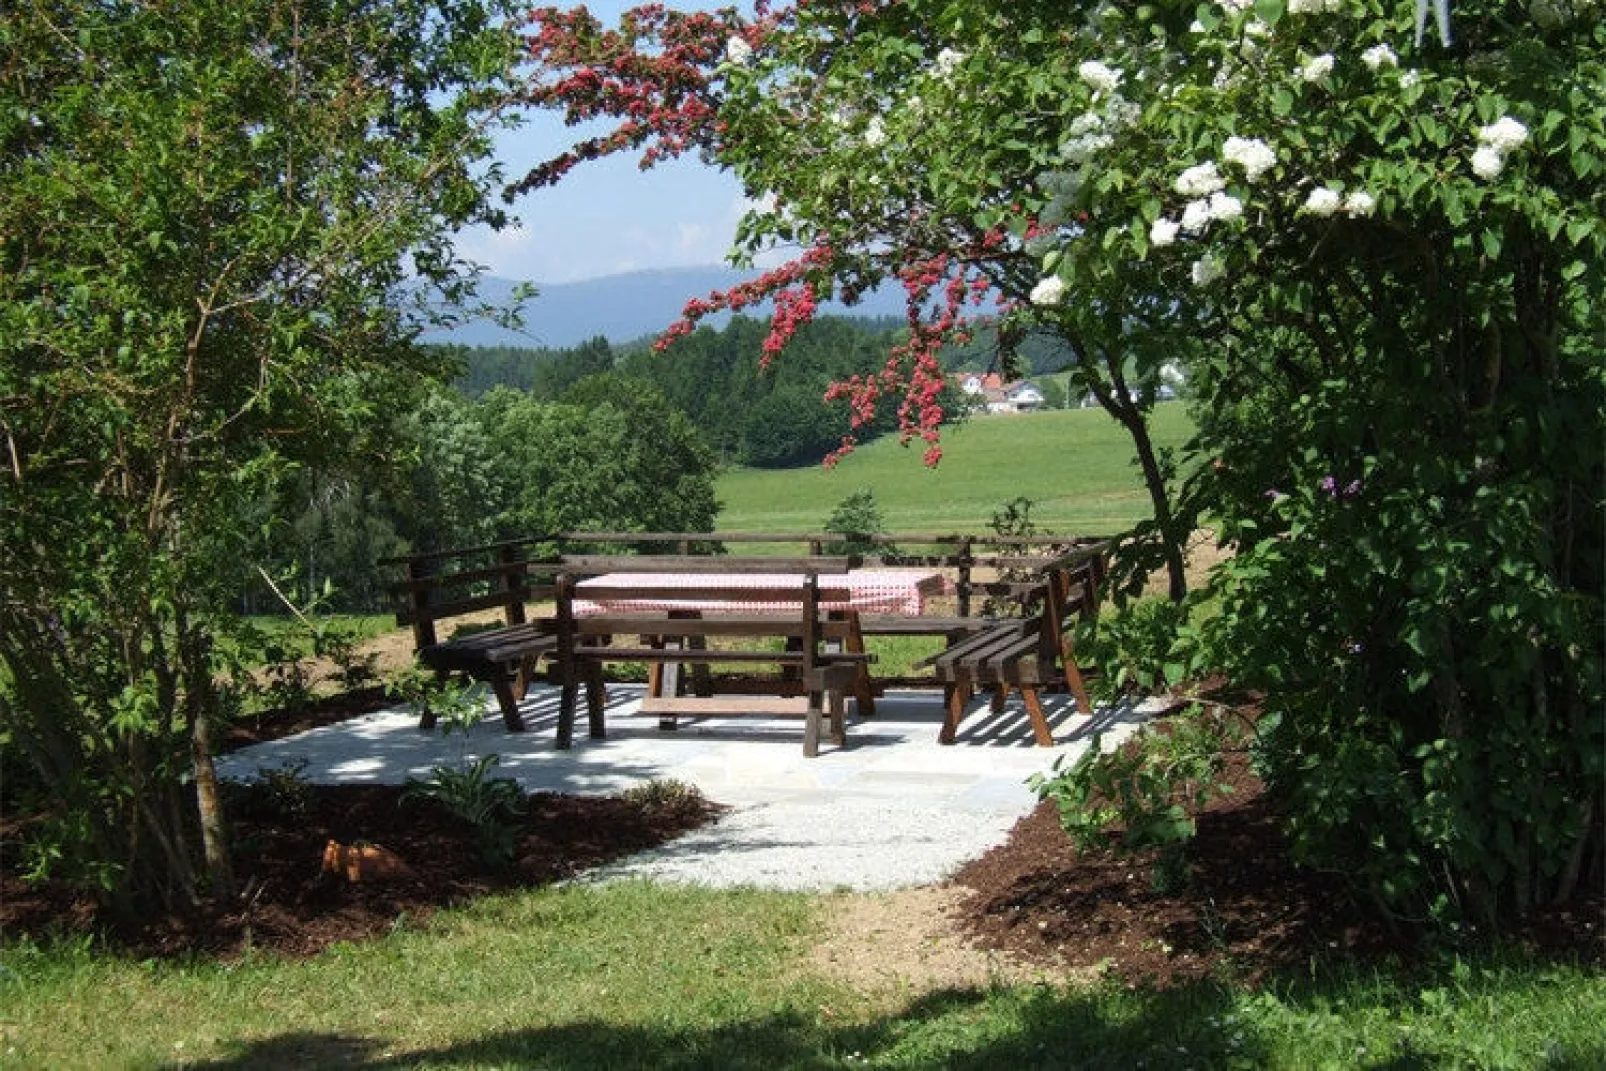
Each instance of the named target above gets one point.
<point>596,699</point>
<point>1000,696</point>
<point>839,713</point>
<point>1034,710</point>
<point>954,695</point>
<point>427,717</point>
<point>503,687</point>
<point>811,724</point>
<point>1073,681</point>
<point>568,693</point>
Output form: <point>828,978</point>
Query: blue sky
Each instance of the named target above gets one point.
<point>607,216</point>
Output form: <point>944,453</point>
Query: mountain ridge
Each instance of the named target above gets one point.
<point>625,307</point>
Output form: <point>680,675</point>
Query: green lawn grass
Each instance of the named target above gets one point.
<point>636,975</point>
<point>1075,465</point>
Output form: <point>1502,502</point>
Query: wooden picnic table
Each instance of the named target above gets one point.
<point>678,605</point>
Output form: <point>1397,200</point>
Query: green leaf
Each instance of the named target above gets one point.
<point>1491,244</point>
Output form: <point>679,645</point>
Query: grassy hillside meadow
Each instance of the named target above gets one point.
<point>1075,465</point>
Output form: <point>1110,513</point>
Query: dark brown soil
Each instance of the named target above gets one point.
<point>1245,911</point>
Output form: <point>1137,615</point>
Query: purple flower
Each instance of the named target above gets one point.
<point>1353,489</point>
<point>1330,485</point>
<point>1274,494</point>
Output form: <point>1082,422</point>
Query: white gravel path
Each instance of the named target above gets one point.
<point>893,809</point>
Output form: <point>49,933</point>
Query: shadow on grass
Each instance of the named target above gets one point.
<point>1029,1028</point>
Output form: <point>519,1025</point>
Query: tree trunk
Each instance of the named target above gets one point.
<point>200,702</point>
<point>1117,400</point>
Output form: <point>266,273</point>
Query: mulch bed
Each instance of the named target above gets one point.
<point>1245,912</point>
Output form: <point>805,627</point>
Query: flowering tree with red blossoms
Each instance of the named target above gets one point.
<point>810,106</point>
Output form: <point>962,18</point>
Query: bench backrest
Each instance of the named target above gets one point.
<point>453,583</point>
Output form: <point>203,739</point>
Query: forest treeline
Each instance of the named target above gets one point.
<point>590,436</point>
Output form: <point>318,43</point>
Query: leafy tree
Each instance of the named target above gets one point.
<point>614,455</point>
<point>568,367</point>
<point>222,224</point>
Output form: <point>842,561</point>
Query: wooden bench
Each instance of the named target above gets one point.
<point>1026,654</point>
<point>823,654</point>
<point>452,583</point>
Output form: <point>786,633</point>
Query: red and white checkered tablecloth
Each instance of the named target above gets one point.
<point>883,591</point>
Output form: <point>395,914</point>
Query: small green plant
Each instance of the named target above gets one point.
<point>665,794</point>
<point>1014,519</point>
<point>1144,794</point>
<point>339,644</point>
<point>491,805</point>
<point>289,678</point>
<point>288,791</point>
<point>857,518</point>
<point>1144,646</point>
<point>458,705</point>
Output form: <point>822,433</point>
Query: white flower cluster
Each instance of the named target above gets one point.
<point>1494,142</point>
<point>1087,138</point>
<point>1197,215</point>
<point>1048,291</point>
<point>1101,77</point>
<point>1207,269</point>
<point>1314,7</point>
<point>947,62</point>
<point>875,132</point>
<point>1200,180</point>
<point>1379,56</point>
<point>738,51</point>
<point>1235,6</point>
<point>1324,201</point>
<point>1251,154</point>
<point>1317,68</point>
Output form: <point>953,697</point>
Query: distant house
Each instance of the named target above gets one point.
<point>988,390</point>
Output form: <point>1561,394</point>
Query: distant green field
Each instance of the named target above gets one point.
<point>1075,465</point>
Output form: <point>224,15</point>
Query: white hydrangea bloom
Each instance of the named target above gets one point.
<point>1163,232</point>
<point>1487,163</point>
<point>1317,68</point>
<point>1195,217</point>
<point>1503,136</point>
<point>738,51</point>
<point>1251,154</point>
<point>1379,56</point>
<point>1086,123</point>
<point>1120,112</point>
<point>1360,203</point>
<point>1200,180</point>
<point>1409,79</point>
<point>1224,207</point>
<point>947,62</point>
<point>1207,269</point>
<point>1081,150</point>
<point>1048,291</point>
<point>1323,201</point>
<point>875,133</point>
<point>1100,76</point>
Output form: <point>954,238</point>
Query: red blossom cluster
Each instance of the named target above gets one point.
<point>791,287</point>
<point>658,77</point>
<point>655,75</point>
